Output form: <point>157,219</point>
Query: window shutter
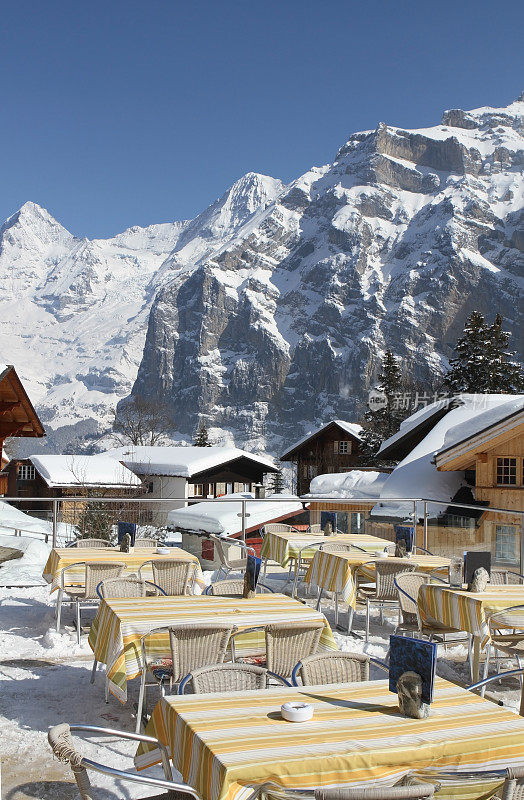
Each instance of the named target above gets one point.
<point>335,447</point>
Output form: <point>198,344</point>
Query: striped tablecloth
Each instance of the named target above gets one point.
<point>226,744</point>
<point>467,611</point>
<point>116,630</point>
<point>336,571</point>
<point>286,547</point>
<point>61,557</point>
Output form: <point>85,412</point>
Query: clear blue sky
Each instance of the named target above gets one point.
<point>122,113</point>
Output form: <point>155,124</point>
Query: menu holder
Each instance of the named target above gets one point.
<point>412,670</point>
<point>473,560</point>
<point>251,577</point>
<point>127,527</point>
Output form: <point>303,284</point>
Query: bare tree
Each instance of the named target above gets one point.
<point>141,422</point>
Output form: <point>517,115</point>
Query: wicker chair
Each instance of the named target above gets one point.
<point>192,646</point>
<point>338,667</point>
<point>408,585</point>
<point>175,577</point>
<point>62,745</point>
<point>227,564</point>
<point>225,678</point>
<point>384,591</point>
<point>145,542</point>
<point>276,527</point>
<point>91,543</point>
<point>503,577</point>
<point>315,528</point>
<point>94,573</point>
<point>286,644</point>
<point>420,791</point>
<point>234,587</point>
<point>506,634</point>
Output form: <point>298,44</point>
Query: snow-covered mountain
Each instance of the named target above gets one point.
<point>393,244</point>
<point>269,312</point>
<point>73,312</point>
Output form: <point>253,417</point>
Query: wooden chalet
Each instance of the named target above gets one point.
<point>17,415</point>
<point>333,448</point>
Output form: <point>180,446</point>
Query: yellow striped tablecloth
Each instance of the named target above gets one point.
<point>115,632</point>
<point>61,557</point>
<point>466,611</point>
<point>286,547</point>
<point>226,744</point>
<point>336,571</point>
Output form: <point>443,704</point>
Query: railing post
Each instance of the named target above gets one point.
<point>521,544</point>
<point>415,525</point>
<point>55,520</point>
<point>244,521</point>
<point>425,525</point>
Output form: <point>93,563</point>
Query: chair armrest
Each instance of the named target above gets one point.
<point>240,633</point>
<point>65,569</point>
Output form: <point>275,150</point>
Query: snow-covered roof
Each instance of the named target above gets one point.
<point>487,418</point>
<point>349,427</point>
<point>358,484</point>
<point>82,470</point>
<point>221,518</point>
<point>417,475</point>
<point>408,425</point>
<point>183,462</point>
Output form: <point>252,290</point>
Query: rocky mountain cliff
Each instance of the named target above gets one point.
<point>393,244</point>
<point>269,312</point>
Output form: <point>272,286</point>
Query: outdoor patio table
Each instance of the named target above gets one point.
<point>61,557</point>
<point>335,572</point>
<point>225,745</point>
<point>286,547</point>
<point>119,624</point>
<point>467,611</point>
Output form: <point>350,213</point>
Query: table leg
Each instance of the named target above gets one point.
<point>351,611</point>
<point>475,666</point>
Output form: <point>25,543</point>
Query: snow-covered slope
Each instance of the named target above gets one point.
<point>73,312</point>
<point>393,244</point>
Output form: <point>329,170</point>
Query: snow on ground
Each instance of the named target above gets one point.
<point>44,679</point>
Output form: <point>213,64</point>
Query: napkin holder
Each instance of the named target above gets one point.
<point>409,690</point>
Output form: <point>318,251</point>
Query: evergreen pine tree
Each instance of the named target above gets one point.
<point>201,437</point>
<point>482,362</point>
<point>381,424</point>
<point>277,483</point>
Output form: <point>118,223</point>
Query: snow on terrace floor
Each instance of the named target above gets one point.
<point>44,679</point>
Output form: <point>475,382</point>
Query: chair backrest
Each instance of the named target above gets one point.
<point>226,588</point>
<point>97,571</point>
<point>502,577</point>
<point>337,667</point>
<point>234,587</point>
<point>222,549</point>
<point>315,528</point>
<point>59,737</point>
<point>125,586</point>
<point>227,678</point>
<point>279,527</point>
<point>197,645</point>
<point>174,576</point>
<point>408,584</point>
<point>336,547</point>
<point>288,643</point>
<point>145,542</point>
<point>92,543</point>
<point>418,792</point>
<point>386,571</point>
<point>513,788</point>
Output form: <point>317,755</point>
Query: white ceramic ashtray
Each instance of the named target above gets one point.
<point>163,551</point>
<point>380,554</point>
<point>296,712</point>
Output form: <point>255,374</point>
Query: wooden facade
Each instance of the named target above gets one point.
<point>330,449</point>
<point>17,415</point>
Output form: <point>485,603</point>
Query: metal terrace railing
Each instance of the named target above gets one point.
<point>441,527</point>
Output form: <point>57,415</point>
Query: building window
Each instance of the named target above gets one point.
<point>247,487</point>
<point>506,471</point>
<point>506,544</point>
<point>198,490</point>
<point>26,472</point>
<point>311,471</point>
<point>343,447</point>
